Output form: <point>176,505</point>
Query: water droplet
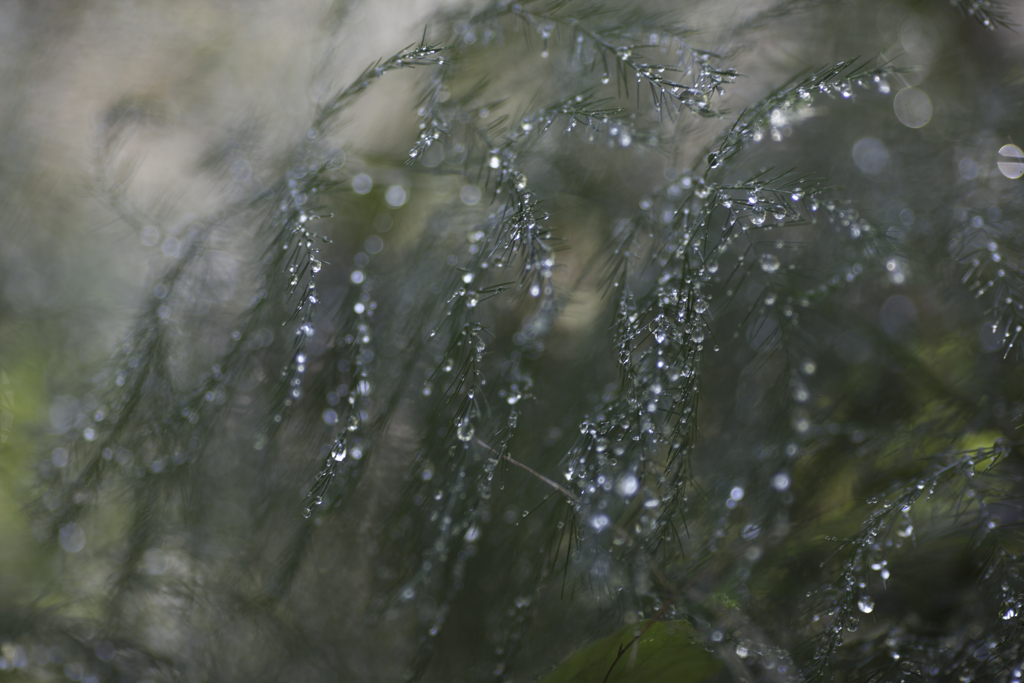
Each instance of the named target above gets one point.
<point>494,161</point>
<point>600,522</point>
<point>627,485</point>
<point>465,429</point>
<point>315,265</point>
<point>521,181</point>
<point>535,290</point>
<point>866,605</point>
<point>769,263</point>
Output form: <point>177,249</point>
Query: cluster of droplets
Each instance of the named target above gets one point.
<point>349,404</point>
<point>301,265</point>
<point>687,79</point>
<point>782,109</point>
<point>890,526</point>
<point>989,13</point>
<point>453,495</point>
<point>659,344</point>
<point>418,55</point>
<point>993,270</point>
<point>438,115</point>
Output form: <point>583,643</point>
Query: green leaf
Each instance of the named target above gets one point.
<point>665,652</point>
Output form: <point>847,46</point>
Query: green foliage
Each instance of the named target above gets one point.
<point>622,339</point>
<point>654,652</point>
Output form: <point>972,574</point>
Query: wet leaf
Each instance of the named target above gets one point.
<point>665,651</point>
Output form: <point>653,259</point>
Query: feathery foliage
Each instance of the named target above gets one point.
<point>624,342</point>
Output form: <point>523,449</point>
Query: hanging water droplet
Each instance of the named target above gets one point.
<point>769,263</point>
<point>315,265</point>
<point>494,161</point>
<point>535,290</point>
<point>605,79</point>
<point>866,605</point>
<point>465,429</point>
<point>521,181</point>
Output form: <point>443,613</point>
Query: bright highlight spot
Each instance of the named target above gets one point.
<point>1013,165</point>
<point>913,107</point>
